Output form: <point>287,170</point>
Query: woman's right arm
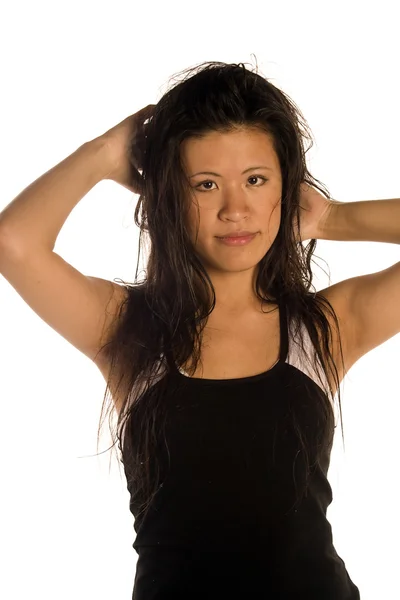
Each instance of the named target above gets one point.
<point>82,309</point>
<point>33,220</point>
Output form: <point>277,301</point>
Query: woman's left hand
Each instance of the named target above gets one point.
<point>314,211</point>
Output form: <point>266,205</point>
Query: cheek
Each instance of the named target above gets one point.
<point>275,215</point>
<point>193,221</point>
<point>200,222</point>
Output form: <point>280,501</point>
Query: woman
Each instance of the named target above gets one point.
<point>222,365</point>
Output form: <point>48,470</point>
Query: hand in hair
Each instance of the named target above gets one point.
<point>124,143</point>
<point>314,212</point>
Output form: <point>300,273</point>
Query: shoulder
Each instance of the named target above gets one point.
<point>342,341</point>
<point>368,306</point>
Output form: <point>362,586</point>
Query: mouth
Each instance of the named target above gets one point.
<point>237,240</point>
<point>237,234</point>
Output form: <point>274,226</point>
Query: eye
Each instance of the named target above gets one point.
<point>264,179</point>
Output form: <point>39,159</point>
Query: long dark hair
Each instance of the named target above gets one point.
<point>161,322</point>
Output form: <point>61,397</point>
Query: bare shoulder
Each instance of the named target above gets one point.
<point>113,312</point>
<point>368,306</point>
<point>102,362</point>
<point>338,298</point>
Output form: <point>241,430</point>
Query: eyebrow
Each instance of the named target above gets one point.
<point>217,174</point>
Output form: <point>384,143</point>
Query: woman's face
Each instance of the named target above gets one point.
<point>236,197</point>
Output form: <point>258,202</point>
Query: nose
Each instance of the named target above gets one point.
<point>234,202</point>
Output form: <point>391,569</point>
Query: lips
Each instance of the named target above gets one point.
<point>237,234</point>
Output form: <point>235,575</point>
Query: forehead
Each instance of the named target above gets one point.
<point>238,145</point>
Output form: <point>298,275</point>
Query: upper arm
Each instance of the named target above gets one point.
<point>372,309</point>
<point>80,308</point>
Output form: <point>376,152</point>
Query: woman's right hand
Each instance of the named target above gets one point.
<point>121,143</point>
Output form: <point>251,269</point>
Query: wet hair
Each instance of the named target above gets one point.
<point>162,319</point>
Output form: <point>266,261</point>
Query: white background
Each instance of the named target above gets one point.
<point>72,70</point>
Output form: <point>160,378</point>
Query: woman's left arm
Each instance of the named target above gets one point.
<point>363,221</point>
<point>372,301</point>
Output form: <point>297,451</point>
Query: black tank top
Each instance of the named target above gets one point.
<point>232,518</point>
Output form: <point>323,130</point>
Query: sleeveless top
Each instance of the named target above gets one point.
<point>235,515</point>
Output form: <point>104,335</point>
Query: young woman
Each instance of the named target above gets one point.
<point>222,366</point>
